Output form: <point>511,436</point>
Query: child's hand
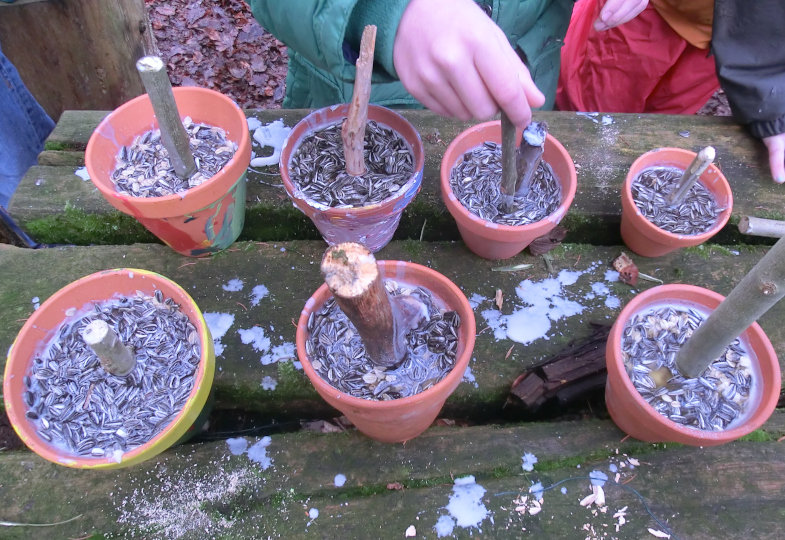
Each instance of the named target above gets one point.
<point>616,12</point>
<point>457,62</point>
<point>776,146</point>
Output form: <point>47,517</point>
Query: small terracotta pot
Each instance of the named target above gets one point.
<point>640,420</point>
<point>372,225</point>
<point>491,240</point>
<point>401,419</point>
<point>39,329</point>
<point>201,220</point>
<point>645,238</point>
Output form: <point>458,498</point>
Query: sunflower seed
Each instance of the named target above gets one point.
<point>713,400</point>
<point>338,353</point>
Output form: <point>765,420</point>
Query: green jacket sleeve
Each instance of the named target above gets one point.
<point>750,57</point>
<point>325,31</point>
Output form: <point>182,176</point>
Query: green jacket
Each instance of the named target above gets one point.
<point>322,37</point>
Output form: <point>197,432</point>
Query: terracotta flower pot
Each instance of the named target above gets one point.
<point>40,329</point>
<point>401,419</point>
<point>635,416</point>
<point>201,220</point>
<point>372,225</point>
<point>491,240</point>
<point>645,238</point>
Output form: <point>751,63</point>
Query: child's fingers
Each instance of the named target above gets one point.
<point>616,12</point>
<point>776,146</point>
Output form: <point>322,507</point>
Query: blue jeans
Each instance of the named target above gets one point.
<point>24,126</point>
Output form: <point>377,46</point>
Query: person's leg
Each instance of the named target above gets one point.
<point>687,86</point>
<point>24,126</point>
<point>618,69</point>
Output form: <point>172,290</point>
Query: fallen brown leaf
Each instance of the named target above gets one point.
<point>548,241</point>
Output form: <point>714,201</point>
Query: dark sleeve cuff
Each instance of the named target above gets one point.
<point>386,15</point>
<point>768,128</point>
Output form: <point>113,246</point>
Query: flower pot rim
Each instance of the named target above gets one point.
<point>243,152</point>
<point>708,300</point>
<point>461,361</point>
<point>312,121</point>
<point>16,367</point>
<point>650,228</point>
<point>553,217</point>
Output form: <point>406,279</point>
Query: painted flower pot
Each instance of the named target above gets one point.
<point>491,240</point>
<point>633,415</point>
<point>68,303</point>
<point>645,238</point>
<point>372,225</point>
<point>201,220</point>
<point>400,419</point>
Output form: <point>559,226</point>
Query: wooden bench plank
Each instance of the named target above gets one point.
<point>202,489</point>
<point>290,272</point>
<point>602,154</point>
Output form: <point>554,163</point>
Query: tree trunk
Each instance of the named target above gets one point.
<point>77,54</point>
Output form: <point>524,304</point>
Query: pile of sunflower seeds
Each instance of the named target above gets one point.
<point>318,167</point>
<point>709,402</point>
<point>143,169</point>
<point>476,182</point>
<point>87,411</point>
<point>338,354</point>
<point>697,214</point>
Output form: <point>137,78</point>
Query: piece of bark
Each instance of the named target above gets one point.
<point>114,356</point>
<point>510,174</point>
<point>529,389</point>
<point>547,242</point>
<point>352,275</point>
<point>353,130</point>
<point>755,226</point>
<point>628,271</point>
<point>567,376</point>
<point>529,155</point>
<point>173,136</point>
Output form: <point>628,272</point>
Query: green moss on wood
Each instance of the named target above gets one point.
<point>76,227</point>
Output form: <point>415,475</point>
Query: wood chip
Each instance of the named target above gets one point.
<point>499,299</point>
<point>627,270</point>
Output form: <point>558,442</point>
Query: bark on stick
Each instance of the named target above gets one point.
<point>758,291</point>
<point>509,160</point>
<point>755,226</point>
<point>353,131</point>
<point>701,162</point>
<point>530,154</point>
<point>173,136</point>
<point>355,280</point>
<point>115,357</point>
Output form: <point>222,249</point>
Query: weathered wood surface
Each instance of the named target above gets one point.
<point>290,271</point>
<point>54,205</point>
<point>86,56</point>
<point>204,491</point>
